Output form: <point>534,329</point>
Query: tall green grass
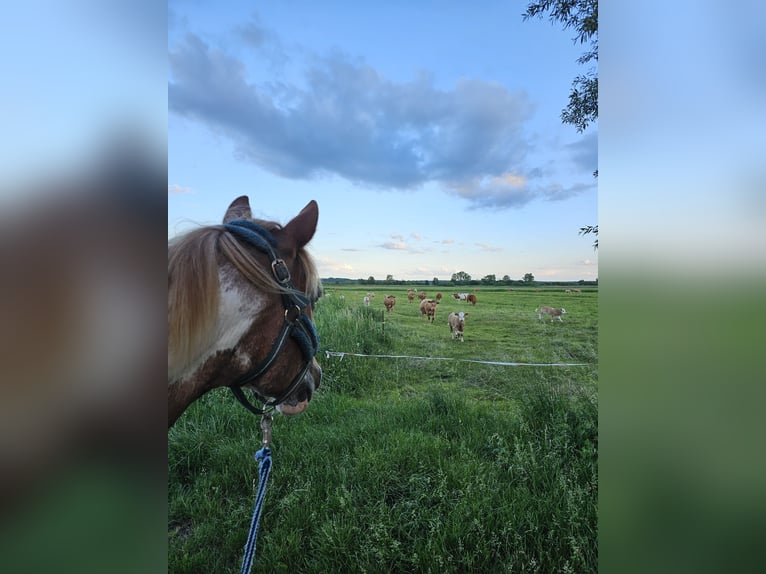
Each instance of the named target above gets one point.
<point>407,465</point>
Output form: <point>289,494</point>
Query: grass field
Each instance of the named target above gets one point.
<point>408,464</point>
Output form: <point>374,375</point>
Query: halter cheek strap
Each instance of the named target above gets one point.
<point>297,324</point>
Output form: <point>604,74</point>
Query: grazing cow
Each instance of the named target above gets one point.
<point>576,290</point>
<point>410,296</point>
<point>567,290</point>
<point>422,295</point>
<point>438,296</point>
<point>552,311</point>
<point>456,296</point>
<point>457,324</point>
<point>366,300</point>
<point>471,299</point>
<point>389,302</point>
<point>428,309</point>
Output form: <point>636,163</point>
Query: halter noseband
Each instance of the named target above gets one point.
<point>297,324</point>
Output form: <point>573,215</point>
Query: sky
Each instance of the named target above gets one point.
<point>429,133</point>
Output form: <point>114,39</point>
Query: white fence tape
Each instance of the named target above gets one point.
<point>329,354</point>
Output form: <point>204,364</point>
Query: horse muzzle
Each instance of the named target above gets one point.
<point>299,399</point>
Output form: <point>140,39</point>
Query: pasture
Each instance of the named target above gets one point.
<point>408,464</point>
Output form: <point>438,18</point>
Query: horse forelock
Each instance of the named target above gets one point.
<point>308,276</point>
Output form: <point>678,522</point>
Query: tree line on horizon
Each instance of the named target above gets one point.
<point>460,278</point>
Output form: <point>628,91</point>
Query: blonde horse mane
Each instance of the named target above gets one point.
<point>194,260</point>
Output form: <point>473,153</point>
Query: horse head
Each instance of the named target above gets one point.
<point>240,311</point>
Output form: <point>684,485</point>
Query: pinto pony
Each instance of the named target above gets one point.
<point>240,304</point>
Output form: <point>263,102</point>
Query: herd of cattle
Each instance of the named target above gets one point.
<point>456,321</point>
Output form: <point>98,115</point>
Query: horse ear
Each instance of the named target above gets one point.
<point>239,209</point>
<point>301,228</point>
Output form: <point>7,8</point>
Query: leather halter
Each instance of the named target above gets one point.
<point>297,324</point>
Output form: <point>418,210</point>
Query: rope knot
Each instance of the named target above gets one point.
<point>262,454</point>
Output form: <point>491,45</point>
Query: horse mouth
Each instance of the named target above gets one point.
<point>288,409</point>
<point>299,400</point>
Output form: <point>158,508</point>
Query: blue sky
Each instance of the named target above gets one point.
<point>429,134</point>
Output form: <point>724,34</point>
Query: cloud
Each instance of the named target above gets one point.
<point>348,119</point>
<point>398,246</point>
<point>341,117</point>
<point>329,266</point>
<point>175,188</point>
<point>556,192</point>
<point>503,190</point>
<point>416,236</point>
<point>447,241</point>
<point>264,42</point>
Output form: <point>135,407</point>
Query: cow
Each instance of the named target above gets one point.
<point>471,299</point>
<point>456,296</point>
<point>428,309</point>
<point>457,324</point>
<point>371,295</point>
<point>439,297</point>
<point>366,300</point>
<point>389,302</point>
<point>410,296</point>
<point>422,295</point>
<point>552,311</point>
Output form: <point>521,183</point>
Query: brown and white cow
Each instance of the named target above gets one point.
<point>428,309</point>
<point>422,295</point>
<point>389,302</point>
<point>410,296</point>
<point>552,311</point>
<point>457,324</point>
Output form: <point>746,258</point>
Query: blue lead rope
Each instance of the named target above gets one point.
<point>263,457</point>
